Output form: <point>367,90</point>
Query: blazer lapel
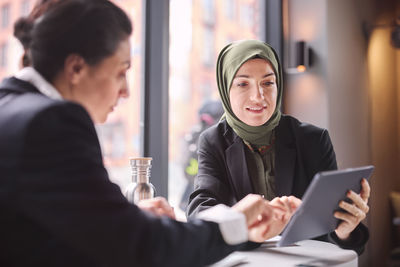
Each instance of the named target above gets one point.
<point>237,167</point>
<point>285,159</point>
<point>285,162</point>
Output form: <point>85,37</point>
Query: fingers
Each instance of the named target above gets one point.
<point>259,233</point>
<point>365,190</point>
<point>357,209</point>
<point>294,202</point>
<point>251,206</point>
<point>263,220</point>
<point>272,216</point>
<point>287,205</point>
<point>158,206</point>
<point>269,228</point>
<point>353,210</point>
<point>350,219</point>
<point>279,205</point>
<point>353,213</point>
<point>358,201</point>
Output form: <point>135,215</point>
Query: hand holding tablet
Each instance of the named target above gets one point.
<point>315,216</point>
<point>352,213</point>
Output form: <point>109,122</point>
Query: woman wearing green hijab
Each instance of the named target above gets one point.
<point>257,149</point>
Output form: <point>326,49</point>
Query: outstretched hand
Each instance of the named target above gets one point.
<point>266,219</point>
<point>158,206</point>
<point>284,207</point>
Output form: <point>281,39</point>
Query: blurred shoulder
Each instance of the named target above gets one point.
<point>219,134</point>
<point>21,102</point>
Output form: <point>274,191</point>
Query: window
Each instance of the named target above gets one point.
<point>5,15</point>
<point>208,12</point>
<point>208,47</point>
<point>25,8</point>
<point>247,15</point>
<point>198,38</point>
<point>3,55</point>
<point>230,9</point>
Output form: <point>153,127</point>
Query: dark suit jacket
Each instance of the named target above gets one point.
<point>302,150</point>
<point>57,205</point>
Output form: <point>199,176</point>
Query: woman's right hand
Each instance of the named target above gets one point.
<point>158,206</point>
<point>283,207</point>
<point>289,203</point>
<point>266,219</point>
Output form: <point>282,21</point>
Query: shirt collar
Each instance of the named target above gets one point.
<point>29,74</point>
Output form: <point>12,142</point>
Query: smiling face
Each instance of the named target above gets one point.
<point>99,87</point>
<point>253,92</point>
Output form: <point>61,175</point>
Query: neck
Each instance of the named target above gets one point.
<point>62,87</point>
<point>68,93</point>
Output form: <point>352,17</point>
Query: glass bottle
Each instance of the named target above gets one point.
<point>140,188</point>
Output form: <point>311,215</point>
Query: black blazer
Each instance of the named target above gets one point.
<point>57,205</point>
<point>302,150</point>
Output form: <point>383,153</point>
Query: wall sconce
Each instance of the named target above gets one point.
<point>300,58</point>
<point>303,56</point>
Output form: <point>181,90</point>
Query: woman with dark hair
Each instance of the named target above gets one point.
<point>57,205</point>
<point>256,149</point>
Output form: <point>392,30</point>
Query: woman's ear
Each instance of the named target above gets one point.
<point>75,68</point>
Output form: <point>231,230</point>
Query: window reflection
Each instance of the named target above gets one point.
<point>199,29</point>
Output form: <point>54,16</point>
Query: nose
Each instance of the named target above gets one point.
<point>125,90</point>
<point>257,93</point>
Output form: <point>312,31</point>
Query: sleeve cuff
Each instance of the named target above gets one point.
<point>232,224</point>
<point>357,240</point>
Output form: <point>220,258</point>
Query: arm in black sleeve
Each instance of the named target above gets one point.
<point>357,240</point>
<point>360,234</point>
<point>211,186</point>
<point>327,154</point>
<point>66,191</point>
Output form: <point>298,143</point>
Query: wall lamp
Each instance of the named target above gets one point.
<point>300,58</point>
<point>303,56</point>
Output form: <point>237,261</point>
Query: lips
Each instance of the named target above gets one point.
<point>114,106</point>
<point>256,109</point>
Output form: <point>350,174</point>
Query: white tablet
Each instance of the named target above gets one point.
<point>314,216</point>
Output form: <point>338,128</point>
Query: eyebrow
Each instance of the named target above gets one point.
<point>247,76</point>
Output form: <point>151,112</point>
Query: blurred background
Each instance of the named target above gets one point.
<point>341,61</point>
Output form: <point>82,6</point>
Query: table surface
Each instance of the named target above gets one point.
<point>302,254</point>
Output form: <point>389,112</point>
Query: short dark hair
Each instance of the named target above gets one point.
<point>92,29</point>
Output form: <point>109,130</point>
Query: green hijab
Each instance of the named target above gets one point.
<point>230,59</point>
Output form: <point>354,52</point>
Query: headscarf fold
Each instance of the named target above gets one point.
<point>230,59</point>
